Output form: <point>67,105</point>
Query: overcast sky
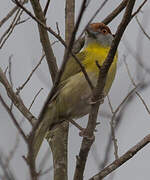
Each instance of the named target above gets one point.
<point>25,48</point>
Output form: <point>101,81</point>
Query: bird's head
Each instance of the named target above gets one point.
<point>99,33</point>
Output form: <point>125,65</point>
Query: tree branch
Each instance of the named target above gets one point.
<point>16,99</point>
<point>10,14</point>
<point>125,157</point>
<point>98,93</point>
<point>51,60</point>
<point>58,138</point>
<point>13,118</point>
<point>63,43</point>
<point>115,12</point>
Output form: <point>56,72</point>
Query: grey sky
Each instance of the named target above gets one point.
<point>24,45</point>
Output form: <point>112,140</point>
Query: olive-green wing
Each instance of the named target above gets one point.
<point>72,67</point>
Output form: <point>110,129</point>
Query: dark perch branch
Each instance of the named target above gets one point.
<point>46,7</point>
<point>98,93</point>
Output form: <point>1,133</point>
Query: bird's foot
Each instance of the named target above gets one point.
<point>101,100</point>
<point>85,134</point>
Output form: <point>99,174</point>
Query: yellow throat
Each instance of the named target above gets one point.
<point>96,52</point>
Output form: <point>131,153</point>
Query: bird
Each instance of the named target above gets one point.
<point>73,95</point>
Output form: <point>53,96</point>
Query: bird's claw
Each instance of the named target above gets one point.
<point>84,133</point>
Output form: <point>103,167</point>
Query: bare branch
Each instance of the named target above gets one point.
<point>134,84</point>
<point>143,30</point>
<point>10,29</point>
<point>114,137</point>
<point>61,169</point>
<point>94,15</point>
<point>65,59</point>
<point>112,125</point>
<point>13,150</point>
<point>69,19</point>
<point>44,160</point>
<point>61,40</point>
<point>13,118</point>
<point>51,60</point>
<point>139,8</point>
<point>30,75</point>
<point>98,92</point>
<point>10,77</point>
<point>10,14</point>
<point>121,160</point>
<point>7,173</point>
<point>46,7</point>
<point>16,99</point>
<point>35,98</point>
<point>115,12</point>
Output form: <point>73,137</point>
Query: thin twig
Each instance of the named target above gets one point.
<point>30,75</point>
<point>110,105</point>
<point>16,99</point>
<point>134,84</point>
<point>139,8</point>
<point>57,27</point>
<point>75,124</point>
<point>65,59</point>
<point>35,98</point>
<point>44,160</point>
<point>80,42</point>
<point>10,26</point>
<point>13,150</point>
<point>61,40</point>
<point>44,39</point>
<point>10,77</point>
<point>112,125</point>
<point>9,31</point>
<point>13,118</point>
<point>115,12</point>
<point>121,160</point>
<point>121,110</point>
<point>11,12</point>
<point>7,173</point>
<point>143,30</point>
<point>94,15</point>
<point>46,7</point>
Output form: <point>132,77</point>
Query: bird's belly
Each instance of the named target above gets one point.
<point>74,98</point>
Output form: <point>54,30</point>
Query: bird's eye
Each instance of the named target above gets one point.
<point>104,31</point>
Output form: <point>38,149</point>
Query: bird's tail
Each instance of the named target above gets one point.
<point>48,119</point>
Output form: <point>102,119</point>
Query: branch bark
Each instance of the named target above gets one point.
<point>58,139</point>
<point>10,14</point>
<point>16,99</point>
<point>98,93</point>
<point>115,12</point>
<point>51,60</point>
<point>125,157</point>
